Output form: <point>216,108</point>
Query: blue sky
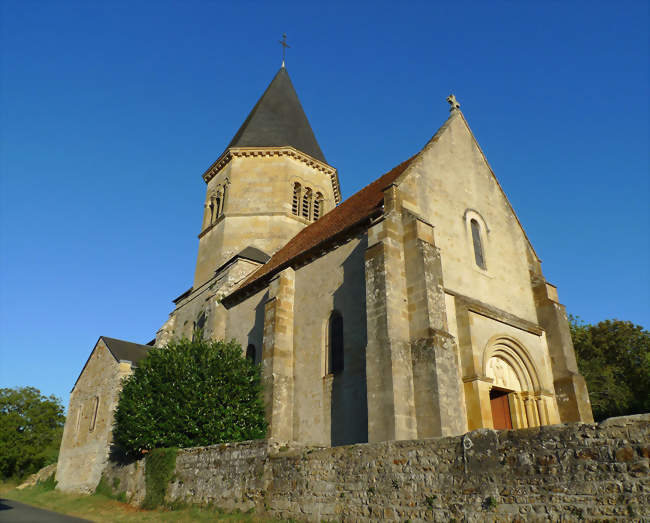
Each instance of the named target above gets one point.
<point>110,112</point>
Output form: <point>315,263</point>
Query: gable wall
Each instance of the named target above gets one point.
<point>84,452</point>
<point>450,178</point>
<point>448,185</point>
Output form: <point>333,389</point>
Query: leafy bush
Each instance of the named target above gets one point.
<point>614,358</point>
<point>31,426</point>
<point>188,394</point>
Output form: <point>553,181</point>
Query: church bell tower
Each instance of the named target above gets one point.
<point>271,181</point>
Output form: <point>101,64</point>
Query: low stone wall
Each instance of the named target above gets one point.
<point>561,472</point>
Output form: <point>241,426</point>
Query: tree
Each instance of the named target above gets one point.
<point>614,358</point>
<point>31,426</point>
<point>190,393</point>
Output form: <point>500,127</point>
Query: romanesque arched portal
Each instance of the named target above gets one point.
<point>516,397</point>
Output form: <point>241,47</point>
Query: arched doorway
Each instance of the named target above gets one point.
<point>504,383</point>
<point>516,399</point>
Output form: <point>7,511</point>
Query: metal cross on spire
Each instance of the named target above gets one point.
<point>284,45</point>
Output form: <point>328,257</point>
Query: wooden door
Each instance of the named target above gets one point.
<point>500,410</point>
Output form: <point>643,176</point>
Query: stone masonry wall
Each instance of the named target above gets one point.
<point>561,472</point>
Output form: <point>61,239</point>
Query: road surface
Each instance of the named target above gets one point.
<point>15,512</point>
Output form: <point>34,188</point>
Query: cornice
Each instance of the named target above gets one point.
<point>268,152</point>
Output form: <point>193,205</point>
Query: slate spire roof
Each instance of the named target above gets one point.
<point>277,120</point>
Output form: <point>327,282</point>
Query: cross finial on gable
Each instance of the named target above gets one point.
<point>453,103</point>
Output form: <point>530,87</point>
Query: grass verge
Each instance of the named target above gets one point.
<point>100,508</point>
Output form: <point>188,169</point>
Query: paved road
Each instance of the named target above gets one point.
<point>14,512</point>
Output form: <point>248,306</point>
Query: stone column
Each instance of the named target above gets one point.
<point>277,356</point>
<point>531,411</point>
<point>437,385</point>
<point>391,409</point>
<point>477,400</point>
<point>517,414</point>
<point>570,387</point>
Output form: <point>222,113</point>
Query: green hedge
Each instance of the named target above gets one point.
<point>189,394</point>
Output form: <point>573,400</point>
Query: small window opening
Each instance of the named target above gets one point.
<point>295,203</point>
<point>335,362</point>
<point>251,353</point>
<point>93,418</point>
<point>478,247</point>
<point>223,197</point>
<point>217,207</point>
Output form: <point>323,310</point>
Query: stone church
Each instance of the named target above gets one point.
<point>415,308</point>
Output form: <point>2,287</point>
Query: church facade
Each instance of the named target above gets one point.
<point>415,308</point>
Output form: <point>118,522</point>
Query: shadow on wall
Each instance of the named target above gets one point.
<point>256,334</point>
<point>349,405</point>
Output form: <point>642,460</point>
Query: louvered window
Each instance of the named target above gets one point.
<point>318,206</point>
<point>306,204</point>
<point>295,203</point>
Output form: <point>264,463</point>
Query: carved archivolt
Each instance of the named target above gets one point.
<point>509,364</point>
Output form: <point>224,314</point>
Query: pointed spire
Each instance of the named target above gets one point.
<point>278,119</point>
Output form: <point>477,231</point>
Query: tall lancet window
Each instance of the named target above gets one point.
<point>93,413</point>
<point>318,205</point>
<point>295,202</point>
<point>335,345</point>
<point>306,204</point>
<point>478,246</point>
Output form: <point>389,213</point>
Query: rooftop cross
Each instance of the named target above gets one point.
<point>284,45</point>
<point>453,102</point>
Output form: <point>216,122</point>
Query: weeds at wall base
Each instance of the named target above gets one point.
<point>159,469</point>
<point>103,489</point>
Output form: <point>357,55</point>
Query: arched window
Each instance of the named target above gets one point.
<point>478,246</point>
<point>295,203</point>
<point>335,345</point>
<point>318,205</point>
<point>93,413</point>
<point>306,204</point>
<point>250,353</point>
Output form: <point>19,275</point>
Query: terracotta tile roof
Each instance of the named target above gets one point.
<point>357,208</point>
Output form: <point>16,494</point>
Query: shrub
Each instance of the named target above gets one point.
<point>31,426</point>
<point>188,394</point>
<point>614,358</point>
